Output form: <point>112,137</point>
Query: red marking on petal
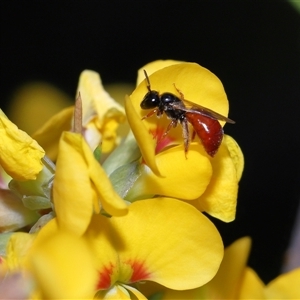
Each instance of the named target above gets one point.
<point>104,281</point>
<point>139,271</point>
<point>161,141</point>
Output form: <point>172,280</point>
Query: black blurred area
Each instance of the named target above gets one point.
<point>252,46</point>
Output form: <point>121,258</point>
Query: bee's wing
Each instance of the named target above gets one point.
<point>199,109</point>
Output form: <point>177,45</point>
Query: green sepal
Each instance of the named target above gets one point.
<point>38,190</point>
<point>124,177</point>
<point>127,152</point>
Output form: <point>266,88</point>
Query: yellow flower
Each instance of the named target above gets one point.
<point>115,254</point>
<point>211,182</point>
<point>81,186</point>
<point>98,245</point>
<point>101,118</point>
<point>20,155</point>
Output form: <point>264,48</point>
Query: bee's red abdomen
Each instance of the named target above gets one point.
<point>208,130</point>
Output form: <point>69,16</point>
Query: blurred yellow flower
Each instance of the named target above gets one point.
<point>234,280</point>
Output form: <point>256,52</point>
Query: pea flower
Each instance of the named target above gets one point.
<point>117,253</point>
<point>210,184</point>
<point>101,118</point>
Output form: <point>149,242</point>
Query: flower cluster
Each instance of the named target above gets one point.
<point>86,212</point>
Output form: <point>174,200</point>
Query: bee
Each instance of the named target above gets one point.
<point>179,110</point>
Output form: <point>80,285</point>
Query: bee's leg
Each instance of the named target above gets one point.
<point>186,135</point>
<point>179,92</point>
<point>151,113</point>
<point>172,124</point>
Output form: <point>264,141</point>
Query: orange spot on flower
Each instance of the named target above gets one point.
<point>139,271</point>
<point>105,274</point>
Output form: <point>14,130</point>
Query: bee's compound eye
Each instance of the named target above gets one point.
<point>151,100</point>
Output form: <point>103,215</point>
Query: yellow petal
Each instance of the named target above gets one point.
<point>135,292</point>
<point>197,84</point>
<point>49,134</point>
<point>155,66</point>
<point>73,193</point>
<point>106,260</point>
<point>192,250</point>
<point>219,199</point>
<point>142,136</point>
<point>20,155</point>
<point>58,266</point>
<point>18,247</point>
<point>252,287</point>
<point>117,292</point>
<point>78,183</point>
<point>99,108</point>
<point>184,177</point>
<point>21,246</point>
<point>285,286</point>
<point>236,155</point>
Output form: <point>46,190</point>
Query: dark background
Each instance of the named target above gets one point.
<point>253,47</point>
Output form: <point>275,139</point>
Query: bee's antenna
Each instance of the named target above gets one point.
<point>148,81</point>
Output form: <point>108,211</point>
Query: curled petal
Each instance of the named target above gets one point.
<point>219,199</point>
<point>183,177</point>
<point>236,155</point>
<point>142,136</point>
<point>20,155</point>
<point>78,170</point>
